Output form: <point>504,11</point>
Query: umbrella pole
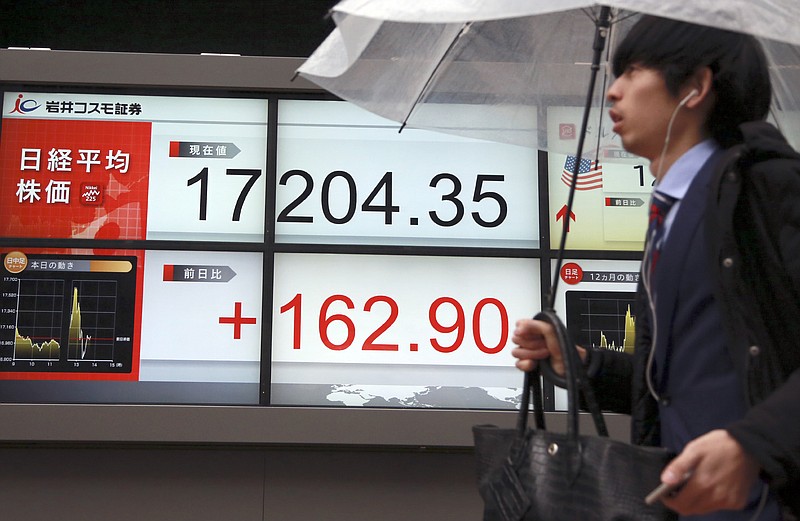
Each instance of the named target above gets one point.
<point>602,25</point>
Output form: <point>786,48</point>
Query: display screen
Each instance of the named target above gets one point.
<point>612,190</point>
<point>346,176</point>
<point>101,166</point>
<point>595,299</point>
<point>178,249</point>
<point>69,316</point>
<point>139,326</point>
<point>408,331</point>
<point>201,317</point>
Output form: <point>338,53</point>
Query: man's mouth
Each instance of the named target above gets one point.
<point>616,118</point>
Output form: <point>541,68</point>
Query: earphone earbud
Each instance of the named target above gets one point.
<point>689,96</point>
<point>683,102</point>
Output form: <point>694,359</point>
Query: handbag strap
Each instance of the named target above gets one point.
<point>531,388</point>
<point>575,380</point>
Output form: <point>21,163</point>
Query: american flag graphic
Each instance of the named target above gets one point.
<point>590,174</point>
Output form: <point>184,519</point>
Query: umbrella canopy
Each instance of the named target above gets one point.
<point>516,71</point>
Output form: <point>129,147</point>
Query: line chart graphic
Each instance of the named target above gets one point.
<point>602,319</point>
<point>68,314</point>
<point>92,321</point>
<point>37,332</point>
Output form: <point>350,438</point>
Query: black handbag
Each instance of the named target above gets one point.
<point>535,474</point>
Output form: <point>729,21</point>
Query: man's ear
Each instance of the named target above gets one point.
<point>698,88</point>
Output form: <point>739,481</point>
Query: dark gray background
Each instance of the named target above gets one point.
<point>249,27</point>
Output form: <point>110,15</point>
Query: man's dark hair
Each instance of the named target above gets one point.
<point>741,83</point>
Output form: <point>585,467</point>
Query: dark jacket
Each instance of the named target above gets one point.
<point>752,223</point>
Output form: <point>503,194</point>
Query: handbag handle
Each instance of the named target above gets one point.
<point>575,380</point>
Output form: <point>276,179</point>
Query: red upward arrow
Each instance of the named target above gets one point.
<point>562,212</point>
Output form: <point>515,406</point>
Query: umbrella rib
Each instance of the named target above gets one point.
<point>622,19</point>
<point>589,14</point>
<point>432,75</point>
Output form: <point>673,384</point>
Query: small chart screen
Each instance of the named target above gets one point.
<point>602,319</point>
<point>68,313</point>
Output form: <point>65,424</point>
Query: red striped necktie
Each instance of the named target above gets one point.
<point>660,205</point>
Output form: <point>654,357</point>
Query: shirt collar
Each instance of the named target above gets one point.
<point>680,175</point>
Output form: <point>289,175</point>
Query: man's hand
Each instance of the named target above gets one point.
<point>536,340</point>
<point>722,475</point>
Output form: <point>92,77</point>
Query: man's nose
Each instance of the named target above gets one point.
<point>613,92</point>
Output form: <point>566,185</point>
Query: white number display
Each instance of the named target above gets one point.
<point>345,176</point>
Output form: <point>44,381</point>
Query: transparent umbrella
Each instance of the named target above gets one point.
<point>506,70</point>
